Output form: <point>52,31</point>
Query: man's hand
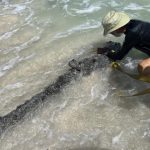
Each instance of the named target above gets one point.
<point>110,48</point>
<point>102,50</point>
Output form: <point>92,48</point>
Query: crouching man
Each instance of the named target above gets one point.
<point>137,34</point>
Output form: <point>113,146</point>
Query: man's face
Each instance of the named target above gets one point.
<point>118,32</point>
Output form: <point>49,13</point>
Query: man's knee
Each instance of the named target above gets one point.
<point>144,67</point>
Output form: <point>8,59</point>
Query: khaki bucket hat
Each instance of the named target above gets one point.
<point>113,21</point>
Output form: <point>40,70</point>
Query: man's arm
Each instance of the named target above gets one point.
<point>130,41</point>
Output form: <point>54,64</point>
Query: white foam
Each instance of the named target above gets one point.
<point>23,46</point>
<point>8,65</point>
<point>90,9</point>
<point>88,25</point>
<point>8,34</point>
<point>133,6</point>
<point>19,8</point>
<point>114,3</point>
<point>116,139</point>
<point>57,109</point>
<point>14,86</point>
<point>67,11</point>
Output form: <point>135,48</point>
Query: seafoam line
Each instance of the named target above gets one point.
<point>81,28</point>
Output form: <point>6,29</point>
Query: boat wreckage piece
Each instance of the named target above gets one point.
<point>143,78</point>
<point>84,67</point>
<point>117,66</point>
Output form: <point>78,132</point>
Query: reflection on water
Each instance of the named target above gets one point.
<point>38,39</point>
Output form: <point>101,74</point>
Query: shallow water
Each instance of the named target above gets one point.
<point>37,39</point>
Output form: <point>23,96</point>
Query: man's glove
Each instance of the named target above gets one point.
<point>109,48</point>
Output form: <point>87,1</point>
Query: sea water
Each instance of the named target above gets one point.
<point>37,40</point>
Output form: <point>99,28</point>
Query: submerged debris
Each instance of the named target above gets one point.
<point>117,66</point>
<point>85,66</point>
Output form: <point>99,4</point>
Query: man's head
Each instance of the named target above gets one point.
<point>114,23</point>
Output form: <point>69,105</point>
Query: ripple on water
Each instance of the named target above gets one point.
<point>8,22</point>
<point>133,6</point>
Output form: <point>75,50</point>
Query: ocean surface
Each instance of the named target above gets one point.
<point>37,40</point>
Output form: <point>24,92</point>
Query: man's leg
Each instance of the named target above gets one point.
<point>144,67</point>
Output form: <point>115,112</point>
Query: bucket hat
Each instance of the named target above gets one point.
<point>113,21</point>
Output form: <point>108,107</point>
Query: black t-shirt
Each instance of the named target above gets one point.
<point>137,35</point>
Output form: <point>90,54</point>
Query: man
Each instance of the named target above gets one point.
<point>137,34</point>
